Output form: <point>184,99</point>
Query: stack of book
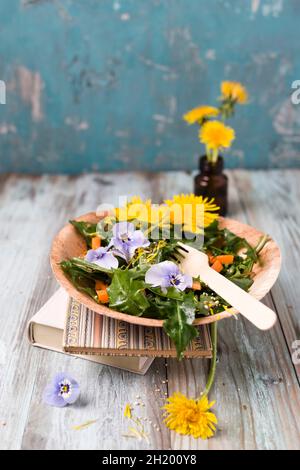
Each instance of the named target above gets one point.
<point>64,325</point>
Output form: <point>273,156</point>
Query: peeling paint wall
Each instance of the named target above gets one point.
<point>102,84</point>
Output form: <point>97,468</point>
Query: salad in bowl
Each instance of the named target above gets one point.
<point>128,262</point>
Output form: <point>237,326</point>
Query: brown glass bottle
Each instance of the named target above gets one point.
<point>211,182</point>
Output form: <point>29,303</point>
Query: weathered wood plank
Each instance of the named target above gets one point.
<point>271,204</point>
<point>105,391</point>
<point>33,211</point>
<point>256,389</point>
<point>25,239</point>
<point>108,389</point>
<point>257,396</point>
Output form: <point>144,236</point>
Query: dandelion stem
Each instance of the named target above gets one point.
<point>215,154</point>
<point>213,364</point>
<point>208,153</point>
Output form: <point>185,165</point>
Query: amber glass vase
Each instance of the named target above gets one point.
<point>211,182</point>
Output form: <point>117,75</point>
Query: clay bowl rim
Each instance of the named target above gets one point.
<point>273,272</point>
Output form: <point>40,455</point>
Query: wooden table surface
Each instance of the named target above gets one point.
<point>257,386</point>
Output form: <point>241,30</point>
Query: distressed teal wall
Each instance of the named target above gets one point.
<point>102,85</point>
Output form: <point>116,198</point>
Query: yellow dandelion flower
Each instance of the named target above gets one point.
<point>144,213</point>
<point>200,113</point>
<point>138,200</point>
<point>158,216</point>
<point>132,209</point>
<point>193,212</point>
<point>127,411</point>
<point>121,214</point>
<point>190,417</point>
<point>215,135</point>
<point>234,91</point>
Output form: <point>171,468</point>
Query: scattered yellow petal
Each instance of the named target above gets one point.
<point>127,411</point>
<point>139,434</point>
<point>85,425</point>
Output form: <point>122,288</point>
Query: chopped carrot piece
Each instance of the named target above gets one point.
<point>217,266</point>
<point>211,258</point>
<point>196,285</point>
<point>96,243</point>
<point>100,285</point>
<point>103,296</point>
<point>225,259</point>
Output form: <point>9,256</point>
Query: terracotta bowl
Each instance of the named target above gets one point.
<point>68,244</point>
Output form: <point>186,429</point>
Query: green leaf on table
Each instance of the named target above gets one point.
<point>126,294</point>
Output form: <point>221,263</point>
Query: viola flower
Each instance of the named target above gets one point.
<point>126,240</point>
<point>168,274</point>
<point>62,391</point>
<point>102,257</point>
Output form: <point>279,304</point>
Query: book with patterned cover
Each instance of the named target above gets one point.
<point>87,332</point>
<point>46,329</point>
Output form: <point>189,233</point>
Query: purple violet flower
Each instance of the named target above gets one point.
<point>168,274</point>
<point>102,257</point>
<point>62,391</point>
<point>126,240</point>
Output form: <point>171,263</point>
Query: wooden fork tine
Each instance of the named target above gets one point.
<point>178,252</point>
<point>182,247</point>
<point>175,258</point>
<point>177,255</point>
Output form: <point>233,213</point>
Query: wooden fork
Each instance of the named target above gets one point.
<point>195,263</point>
